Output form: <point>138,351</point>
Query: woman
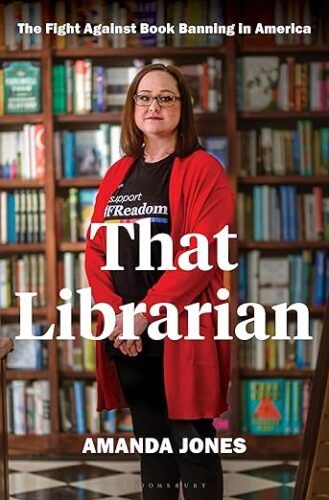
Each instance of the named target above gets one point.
<point>173,388</point>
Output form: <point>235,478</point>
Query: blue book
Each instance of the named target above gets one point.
<point>80,414</point>
<point>292,213</point>
<point>300,354</point>
<point>319,278</point>
<point>284,213</point>
<point>11,226</point>
<point>69,166</point>
<point>296,151</point>
<point>286,420</point>
<point>296,407</point>
<point>217,147</point>
<point>265,411</point>
<point>258,213</point>
<point>242,278</point>
<point>98,97</point>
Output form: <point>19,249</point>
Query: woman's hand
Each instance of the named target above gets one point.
<point>130,347</point>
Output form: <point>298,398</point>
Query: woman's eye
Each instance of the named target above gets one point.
<point>166,98</point>
<point>144,98</point>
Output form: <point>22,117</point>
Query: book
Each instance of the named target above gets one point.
<point>22,87</point>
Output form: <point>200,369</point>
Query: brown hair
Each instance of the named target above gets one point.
<point>132,140</point>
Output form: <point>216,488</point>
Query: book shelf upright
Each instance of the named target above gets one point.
<point>227,122</point>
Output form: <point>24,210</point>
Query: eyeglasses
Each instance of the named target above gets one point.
<point>164,100</point>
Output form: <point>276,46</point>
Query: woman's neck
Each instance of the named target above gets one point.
<point>155,150</point>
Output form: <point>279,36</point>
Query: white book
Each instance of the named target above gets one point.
<point>115,132</point>
<point>26,45</point>
<point>42,406</point>
<point>26,156</point>
<point>283,86</point>
<point>93,421</point>
<point>33,165</point>
<point>253,278</point>
<point>69,281</point>
<point>273,271</point>
<point>4,215</point>
<point>87,87</point>
<point>278,153</point>
<point>19,408</point>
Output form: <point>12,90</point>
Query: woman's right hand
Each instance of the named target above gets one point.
<point>131,350</point>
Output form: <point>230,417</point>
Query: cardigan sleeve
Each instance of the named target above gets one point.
<point>101,282</point>
<point>208,207</point>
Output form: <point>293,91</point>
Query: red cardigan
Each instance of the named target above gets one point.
<point>196,372</point>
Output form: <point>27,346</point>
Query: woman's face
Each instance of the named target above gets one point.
<point>154,120</point>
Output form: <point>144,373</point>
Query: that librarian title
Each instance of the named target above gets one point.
<point>195,256</point>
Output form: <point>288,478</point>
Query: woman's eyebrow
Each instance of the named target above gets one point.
<point>162,90</point>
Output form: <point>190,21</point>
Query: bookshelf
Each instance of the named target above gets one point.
<point>228,121</point>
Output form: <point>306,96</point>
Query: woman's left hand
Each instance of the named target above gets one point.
<point>140,325</point>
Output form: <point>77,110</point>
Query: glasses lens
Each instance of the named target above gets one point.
<point>166,99</point>
<point>143,100</point>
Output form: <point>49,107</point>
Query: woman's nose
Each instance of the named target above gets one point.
<point>154,106</point>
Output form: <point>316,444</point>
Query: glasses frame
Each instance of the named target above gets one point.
<point>175,98</point>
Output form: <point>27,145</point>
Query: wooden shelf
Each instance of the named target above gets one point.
<point>139,52</point>
<point>22,248</point>
<point>27,374</point>
<point>8,55</point>
<point>293,373</point>
<point>271,446</point>
<point>71,374</point>
<point>316,310</point>
<point>68,246</point>
<point>287,246</point>
<point>116,118</point>
<point>12,312</point>
<point>21,183</point>
<point>79,182</point>
<point>21,119</point>
<point>89,118</point>
<point>283,49</point>
<point>284,179</point>
<point>278,114</point>
<point>28,445</point>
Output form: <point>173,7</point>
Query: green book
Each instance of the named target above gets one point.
<point>22,87</point>
<point>59,89</point>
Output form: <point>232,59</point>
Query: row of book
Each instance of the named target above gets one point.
<point>274,406</point>
<point>20,12</point>
<point>280,354</point>
<point>269,213</point>
<point>22,153</point>
<point>86,152</point>
<point>72,268</point>
<point>285,13</point>
<point>81,87</point>
<point>271,280</point>
<point>22,216</point>
<point>28,407</point>
<point>76,210</point>
<point>24,273</point>
<point>28,354</point>
<point>264,82</point>
<point>269,151</point>
<point>20,86</point>
<point>77,355</point>
<point>77,400</point>
<point>127,13</point>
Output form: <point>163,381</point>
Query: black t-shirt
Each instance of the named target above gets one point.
<point>143,194</point>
